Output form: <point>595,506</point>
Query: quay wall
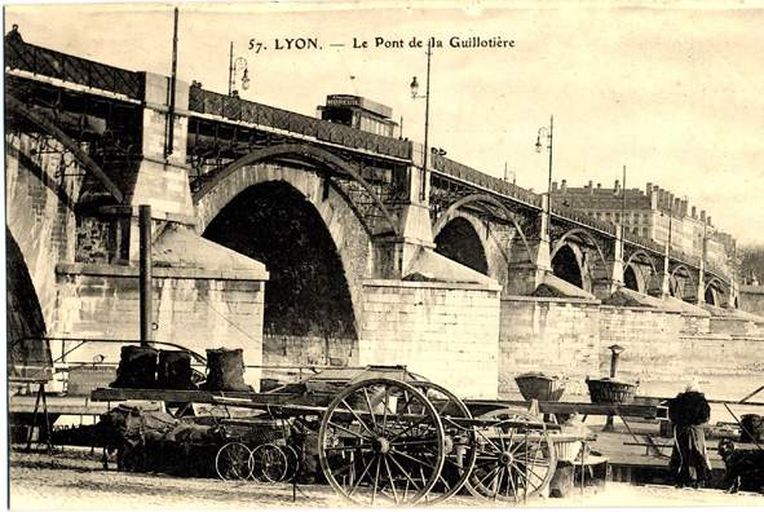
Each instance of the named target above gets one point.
<point>663,349</point>
<point>752,299</point>
<point>447,332</point>
<point>291,350</point>
<point>199,312</point>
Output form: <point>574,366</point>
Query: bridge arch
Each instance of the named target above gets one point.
<point>462,240</point>
<point>641,257</point>
<point>713,291</point>
<point>592,270</point>
<point>314,159</point>
<point>567,264</point>
<point>26,325</point>
<point>679,287</point>
<point>41,122</point>
<point>633,278</point>
<point>314,246</point>
<point>488,204</point>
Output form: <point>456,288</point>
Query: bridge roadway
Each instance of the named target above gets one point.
<point>368,257</point>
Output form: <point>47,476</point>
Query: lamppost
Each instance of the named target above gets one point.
<point>615,352</point>
<point>666,288</point>
<point>547,132</point>
<point>239,64</point>
<point>415,95</point>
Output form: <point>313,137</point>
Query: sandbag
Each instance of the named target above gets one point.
<point>137,368</point>
<point>174,371</point>
<point>225,370</point>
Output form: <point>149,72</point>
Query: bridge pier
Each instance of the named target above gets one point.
<point>204,295</point>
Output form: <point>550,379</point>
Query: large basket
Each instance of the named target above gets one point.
<point>537,386</point>
<point>609,391</point>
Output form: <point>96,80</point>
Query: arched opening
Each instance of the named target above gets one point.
<point>308,311</point>
<point>28,354</point>
<point>630,279</point>
<point>710,296</point>
<point>566,267</point>
<point>459,241</point>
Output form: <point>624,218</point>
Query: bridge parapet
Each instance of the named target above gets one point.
<point>50,63</point>
<point>468,174</point>
<point>237,109</point>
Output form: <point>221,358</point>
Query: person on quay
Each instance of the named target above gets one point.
<point>688,412</point>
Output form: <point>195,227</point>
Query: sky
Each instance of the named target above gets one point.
<point>674,92</point>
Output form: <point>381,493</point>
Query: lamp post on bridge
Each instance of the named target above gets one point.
<point>415,95</point>
<point>236,65</point>
<point>548,133</point>
<point>666,286</point>
<point>701,293</point>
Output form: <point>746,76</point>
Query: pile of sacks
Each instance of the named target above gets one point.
<point>144,367</point>
<point>148,440</point>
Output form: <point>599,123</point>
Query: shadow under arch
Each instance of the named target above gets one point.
<point>459,241</point>
<point>28,352</point>
<point>566,266</point>
<point>309,312</point>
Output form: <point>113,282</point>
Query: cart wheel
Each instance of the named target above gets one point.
<point>269,463</point>
<point>515,456</point>
<point>233,462</point>
<point>460,447</point>
<point>293,462</point>
<point>381,442</point>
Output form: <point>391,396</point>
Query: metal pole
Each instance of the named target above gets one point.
<point>623,210</point>
<point>144,227</point>
<point>422,191</point>
<point>549,180</point>
<point>168,150</point>
<point>230,70</point>
<point>613,364</point>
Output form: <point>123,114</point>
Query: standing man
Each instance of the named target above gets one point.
<point>689,460</point>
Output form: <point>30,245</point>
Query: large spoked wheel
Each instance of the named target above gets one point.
<point>516,458</point>
<point>269,463</point>
<point>233,462</point>
<point>381,442</point>
<point>460,447</point>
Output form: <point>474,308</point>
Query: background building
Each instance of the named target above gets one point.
<point>654,214</point>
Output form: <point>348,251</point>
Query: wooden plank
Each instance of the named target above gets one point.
<point>58,405</point>
<point>637,410</point>
<point>248,399</point>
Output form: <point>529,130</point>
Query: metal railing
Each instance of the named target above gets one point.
<point>472,176</point>
<point>237,109</point>
<point>50,63</point>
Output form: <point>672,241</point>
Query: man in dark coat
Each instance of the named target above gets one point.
<point>689,459</point>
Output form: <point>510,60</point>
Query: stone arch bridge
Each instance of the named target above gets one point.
<point>300,240</point>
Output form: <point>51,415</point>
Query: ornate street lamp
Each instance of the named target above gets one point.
<point>414,86</point>
<point>235,66</point>
<point>548,133</point>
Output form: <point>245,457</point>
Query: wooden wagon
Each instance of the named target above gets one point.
<point>385,436</point>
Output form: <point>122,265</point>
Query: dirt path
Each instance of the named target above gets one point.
<point>75,481</point>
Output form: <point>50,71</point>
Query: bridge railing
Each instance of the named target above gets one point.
<point>50,63</point>
<point>583,218</point>
<point>237,109</point>
<point>475,177</point>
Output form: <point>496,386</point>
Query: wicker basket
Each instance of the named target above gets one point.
<point>540,387</point>
<point>609,391</point>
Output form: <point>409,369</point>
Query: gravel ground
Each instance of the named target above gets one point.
<point>74,480</point>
